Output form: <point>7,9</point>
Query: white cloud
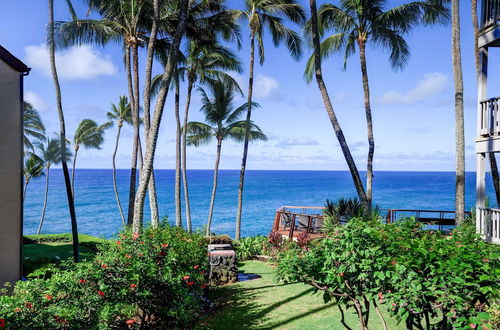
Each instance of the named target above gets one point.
<point>35,100</point>
<point>265,87</point>
<point>288,142</point>
<point>432,84</point>
<point>81,62</point>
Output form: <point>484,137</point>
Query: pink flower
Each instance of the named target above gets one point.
<point>128,256</point>
<point>196,266</point>
<point>104,266</point>
<point>118,242</point>
<point>130,322</point>
<point>185,278</point>
<point>165,245</point>
<point>48,297</point>
<point>472,325</point>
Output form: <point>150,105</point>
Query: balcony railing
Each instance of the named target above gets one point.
<point>490,12</point>
<point>490,117</point>
<point>488,224</point>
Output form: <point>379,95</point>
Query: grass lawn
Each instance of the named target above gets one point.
<point>264,304</point>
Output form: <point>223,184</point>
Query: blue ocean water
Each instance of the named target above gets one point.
<point>265,191</point>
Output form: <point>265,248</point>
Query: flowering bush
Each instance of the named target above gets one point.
<point>154,279</point>
<point>420,277</point>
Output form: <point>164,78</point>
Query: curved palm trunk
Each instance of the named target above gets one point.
<point>178,211</point>
<point>369,123</point>
<point>73,172</point>
<point>158,113</point>
<point>62,127</point>
<point>247,133</point>
<point>184,156</point>
<point>153,202</point>
<point>329,108</point>
<point>44,200</point>
<point>133,166</point>
<point>214,188</point>
<point>26,181</point>
<point>115,186</point>
<point>459,115</point>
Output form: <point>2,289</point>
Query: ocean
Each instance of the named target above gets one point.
<point>265,191</point>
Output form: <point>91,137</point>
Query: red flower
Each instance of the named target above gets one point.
<point>102,294</point>
<point>140,254</point>
<point>190,283</point>
<point>136,236</point>
<point>185,278</point>
<point>133,285</point>
<point>104,266</point>
<point>203,286</point>
<point>28,305</point>
<point>82,281</point>
<point>118,242</point>
<point>393,262</point>
<point>48,297</point>
<point>202,272</point>
<point>17,310</point>
<point>130,322</point>
<point>2,323</point>
<point>472,325</point>
<point>128,256</point>
<point>486,260</point>
<point>165,245</point>
<point>196,266</point>
<point>393,305</point>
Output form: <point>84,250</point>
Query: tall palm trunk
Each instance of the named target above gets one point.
<point>152,140</point>
<point>184,155</point>
<point>52,53</point>
<point>115,186</point>
<point>214,188</point>
<point>329,108</point>
<point>493,161</point>
<point>73,171</point>
<point>133,166</point>
<point>247,132</point>
<point>178,214</point>
<point>153,200</point>
<point>459,114</point>
<point>44,200</point>
<point>26,182</point>
<point>369,123</point>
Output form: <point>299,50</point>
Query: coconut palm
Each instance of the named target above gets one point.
<point>33,168</point>
<point>357,23</point>
<point>89,135</point>
<point>120,113</point>
<point>270,14</point>
<point>32,125</point>
<point>50,154</point>
<point>62,125</point>
<point>221,123</point>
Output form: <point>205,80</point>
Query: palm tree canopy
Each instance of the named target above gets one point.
<point>121,112</point>
<point>221,118</point>
<point>50,151</point>
<point>272,14</point>
<point>32,125</point>
<point>33,167</point>
<point>362,21</point>
<point>89,134</point>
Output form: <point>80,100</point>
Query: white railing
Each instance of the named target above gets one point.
<point>488,224</point>
<point>490,117</point>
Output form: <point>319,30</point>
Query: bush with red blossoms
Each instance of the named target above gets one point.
<point>154,279</point>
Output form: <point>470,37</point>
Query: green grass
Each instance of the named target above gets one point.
<point>264,304</point>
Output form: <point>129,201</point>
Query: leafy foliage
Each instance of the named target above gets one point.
<point>249,247</point>
<point>153,280</point>
<point>32,125</point>
<point>420,276</point>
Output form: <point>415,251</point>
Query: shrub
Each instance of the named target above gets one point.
<point>153,280</point>
<point>419,276</point>
<point>250,247</point>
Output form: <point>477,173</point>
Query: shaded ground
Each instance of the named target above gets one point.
<point>264,304</point>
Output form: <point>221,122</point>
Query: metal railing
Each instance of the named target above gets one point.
<point>490,117</point>
<point>490,13</point>
<point>488,224</point>
<point>308,219</point>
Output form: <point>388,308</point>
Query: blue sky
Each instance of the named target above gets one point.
<point>413,109</point>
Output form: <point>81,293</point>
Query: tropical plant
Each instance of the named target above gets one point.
<point>361,22</point>
<point>50,154</point>
<point>120,113</point>
<point>89,135</point>
<point>259,15</point>
<point>343,210</point>
<point>250,247</point>
<point>33,168</point>
<point>32,125</point>
<point>62,125</point>
<point>221,123</point>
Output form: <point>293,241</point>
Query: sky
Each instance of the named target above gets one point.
<point>413,109</point>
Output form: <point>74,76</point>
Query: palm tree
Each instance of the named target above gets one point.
<point>359,22</point>
<point>221,123</point>
<point>90,135</point>
<point>259,14</point>
<point>50,154</point>
<point>459,114</point>
<point>33,168</point>
<point>32,125</point>
<point>62,127</point>
<point>119,113</point>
